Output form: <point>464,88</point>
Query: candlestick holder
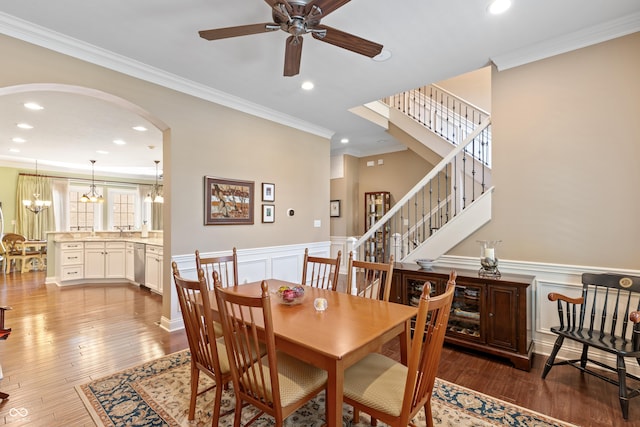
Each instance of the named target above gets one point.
<point>488,259</point>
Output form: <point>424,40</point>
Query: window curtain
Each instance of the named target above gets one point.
<point>60,201</point>
<point>33,226</point>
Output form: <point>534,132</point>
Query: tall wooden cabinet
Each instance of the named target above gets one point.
<point>489,315</point>
<point>376,204</point>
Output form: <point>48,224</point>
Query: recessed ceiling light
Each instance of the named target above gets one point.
<point>24,126</point>
<point>102,152</point>
<point>499,6</point>
<point>307,85</point>
<point>345,140</point>
<point>382,56</point>
<point>119,142</point>
<point>33,106</point>
<point>140,128</point>
<point>19,140</point>
<point>14,150</point>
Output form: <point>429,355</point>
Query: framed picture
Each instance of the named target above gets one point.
<point>228,201</point>
<point>268,213</point>
<point>268,192</point>
<point>334,208</point>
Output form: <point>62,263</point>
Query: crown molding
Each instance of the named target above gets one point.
<point>43,37</point>
<point>576,40</point>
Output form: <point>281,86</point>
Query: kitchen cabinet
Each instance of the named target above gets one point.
<point>70,261</point>
<point>376,204</point>
<point>153,268</point>
<point>104,260</point>
<point>129,262</point>
<point>490,315</point>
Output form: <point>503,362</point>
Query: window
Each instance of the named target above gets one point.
<point>123,209</point>
<point>83,216</point>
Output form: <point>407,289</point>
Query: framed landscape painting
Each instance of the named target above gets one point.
<point>228,201</point>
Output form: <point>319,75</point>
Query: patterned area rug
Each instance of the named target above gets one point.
<point>157,394</point>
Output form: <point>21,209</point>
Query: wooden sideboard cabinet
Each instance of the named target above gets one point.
<point>487,315</point>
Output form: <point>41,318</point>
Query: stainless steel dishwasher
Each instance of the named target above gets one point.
<point>138,263</point>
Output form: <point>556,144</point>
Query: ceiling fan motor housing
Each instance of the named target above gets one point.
<point>294,18</point>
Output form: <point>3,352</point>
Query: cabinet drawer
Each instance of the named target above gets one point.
<point>94,245</point>
<point>71,245</point>
<point>72,272</point>
<point>114,245</point>
<point>154,250</point>
<point>72,257</point>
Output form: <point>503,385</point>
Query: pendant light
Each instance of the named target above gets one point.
<point>36,205</point>
<point>156,194</point>
<point>92,196</point>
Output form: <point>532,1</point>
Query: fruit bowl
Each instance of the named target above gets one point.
<point>290,295</point>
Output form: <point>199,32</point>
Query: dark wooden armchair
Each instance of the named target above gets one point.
<point>602,318</point>
<point>4,334</point>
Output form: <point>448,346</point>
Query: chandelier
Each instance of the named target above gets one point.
<point>36,205</point>
<point>92,196</point>
<point>156,194</point>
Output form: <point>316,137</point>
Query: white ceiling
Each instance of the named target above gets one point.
<point>158,40</point>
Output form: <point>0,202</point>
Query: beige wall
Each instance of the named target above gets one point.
<point>566,151</point>
<point>473,87</point>
<point>204,139</point>
<point>398,173</point>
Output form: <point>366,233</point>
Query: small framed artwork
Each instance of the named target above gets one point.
<point>334,208</point>
<point>268,192</point>
<point>268,213</point>
<point>227,201</point>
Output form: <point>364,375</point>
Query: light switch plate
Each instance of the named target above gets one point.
<point>317,223</point>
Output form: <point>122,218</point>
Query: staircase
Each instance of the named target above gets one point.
<point>454,199</point>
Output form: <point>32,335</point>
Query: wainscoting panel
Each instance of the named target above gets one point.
<point>281,262</point>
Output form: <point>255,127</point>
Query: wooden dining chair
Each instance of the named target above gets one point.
<point>14,251</point>
<point>371,279</point>
<point>277,384</point>
<point>226,266</point>
<point>320,272</point>
<point>392,392</point>
<point>208,353</point>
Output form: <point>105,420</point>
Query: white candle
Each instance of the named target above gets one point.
<point>489,253</point>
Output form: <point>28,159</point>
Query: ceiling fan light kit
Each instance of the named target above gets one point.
<point>299,17</point>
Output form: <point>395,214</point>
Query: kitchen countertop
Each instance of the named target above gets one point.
<point>155,238</point>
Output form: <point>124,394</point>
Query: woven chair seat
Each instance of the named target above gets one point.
<point>377,382</point>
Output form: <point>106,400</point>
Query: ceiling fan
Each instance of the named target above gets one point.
<point>299,17</point>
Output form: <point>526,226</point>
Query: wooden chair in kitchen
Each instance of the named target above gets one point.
<point>208,353</point>
<point>370,279</point>
<point>392,392</point>
<point>320,272</point>
<point>226,266</point>
<point>14,251</point>
<point>277,384</point>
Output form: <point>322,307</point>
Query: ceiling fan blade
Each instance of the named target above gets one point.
<point>327,6</point>
<point>348,41</point>
<point>241,30</point>
<point>292,56</point>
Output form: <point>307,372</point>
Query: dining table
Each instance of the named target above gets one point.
<point>346,331</point>
<point>33,254</point>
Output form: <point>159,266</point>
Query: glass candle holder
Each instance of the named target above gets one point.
<point>488,259</point>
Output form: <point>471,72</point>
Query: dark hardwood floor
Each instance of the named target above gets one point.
<point>63,337</point>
